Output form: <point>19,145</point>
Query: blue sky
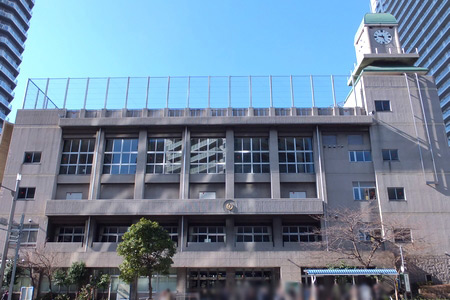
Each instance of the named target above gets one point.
<point>86,38</point>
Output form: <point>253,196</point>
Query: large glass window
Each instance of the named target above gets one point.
<point>120,156</point>
<point>207,155</point>
<point>295,155</point>
<point>251,155</point>
<point>303,233</point>
<point>207,234</point>
<point>364,190</point>
<point>70,234</point>
<point>357,156</point>
<point>164,156</point>
<point>389,154</point>
<point>255,234</point>
<point>77,156</point>
<point>112,234</point>
<point>29,235</point>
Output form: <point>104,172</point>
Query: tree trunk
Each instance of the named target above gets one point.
<point>150,290</point>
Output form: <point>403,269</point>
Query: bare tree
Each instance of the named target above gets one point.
<point>38,261</point>
<point>359,234</point>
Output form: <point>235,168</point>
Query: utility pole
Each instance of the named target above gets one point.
<point>8,231</point>
<point>16,257</point>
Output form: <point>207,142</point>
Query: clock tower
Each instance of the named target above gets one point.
<point>377,43</point>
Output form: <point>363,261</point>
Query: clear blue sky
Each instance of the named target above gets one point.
<point>89,38</point>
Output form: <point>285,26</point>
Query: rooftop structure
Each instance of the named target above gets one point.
<point>425,25</point>
<point>15,18</point>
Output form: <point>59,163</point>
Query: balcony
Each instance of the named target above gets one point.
<point>15,22</point>
<point>183,207</point>
<point>24,18</point>
<point>11,47</point>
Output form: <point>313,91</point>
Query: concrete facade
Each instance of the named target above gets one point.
<point>241,188</point>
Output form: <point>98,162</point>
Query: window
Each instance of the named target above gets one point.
<point>26,193</point>
<point>77,156</point>
<point>29,235</point>
<point>120,156</point>
<point>173,233</point>
<point>112,234</point>
<point>297,195</point>
<point>207,155</point>
<point>32,157</point>
<point>70,234</point>
<point>357,156</point>
<point>251,155</point>
<point>300,234</point>
<point>382,105</point>
<point>295,155</point>
<point>207,234</point>
<point>207,195</point>
<point>390,154</point>
<point>396,193</point>
<point>249,234</point>
<point>402,235</point>
<point>164,156</point>
<point>329,140</point>
<point>364,191</point>
<point>74,196</point>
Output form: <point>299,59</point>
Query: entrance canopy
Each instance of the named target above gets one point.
<point>351,272</point>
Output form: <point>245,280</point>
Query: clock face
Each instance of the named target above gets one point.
<point>382,36</point>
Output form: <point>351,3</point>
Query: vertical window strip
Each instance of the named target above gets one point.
<point>120,156</point>
<point>207,155</point>
<point>295,155</point>
<point>164,156</point>
<point>77,156</point>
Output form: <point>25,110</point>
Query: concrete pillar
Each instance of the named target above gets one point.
<point>319,165</point>
<point>97,166</point>
<point>229,167</point>
<point>230,234</point>
<point>274,164</point>
<point>139,178</point>
<point>184,175</point>
<point>181,280</point>
<point>277,232</point>
<point>184,230</point>
<point>230,280</point>
<point>91,233</point>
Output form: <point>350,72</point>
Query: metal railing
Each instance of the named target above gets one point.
<point>190,92</point>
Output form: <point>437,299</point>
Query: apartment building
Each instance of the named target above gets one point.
<point>15,18</point>
<point>240,189</point>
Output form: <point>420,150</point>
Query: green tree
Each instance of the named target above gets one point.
<point>146,249</point>
<point>78,275</point>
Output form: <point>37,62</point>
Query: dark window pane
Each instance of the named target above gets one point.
<point>391,194</point>
<point>394,154</point>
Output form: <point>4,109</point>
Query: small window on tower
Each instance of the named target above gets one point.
<point>32,157</point>
<point>382,105</point>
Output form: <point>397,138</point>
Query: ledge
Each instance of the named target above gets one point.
<point>182,207</point>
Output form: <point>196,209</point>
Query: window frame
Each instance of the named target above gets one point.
<point>366,155</point>
<point>33,156</point>
<point>241,165</point>
<point>29,230</point>
<point>166,166</point>
<point>173,233</point>
<point>253,234</point>
<point>306,153</point>
<point>215,156</point>
<point>396,190</point>
<point>72,235</point>
<point>363,188</point>
<point>389,152</point>
<point>129,166</point>
<point>302,231</point>
<point>26,192</point>
<point>195,234</point>
<point>382,108</point>
<point>79,167</point>
<point>117,235</point>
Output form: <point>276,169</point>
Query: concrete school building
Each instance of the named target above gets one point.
<point>238,188</point>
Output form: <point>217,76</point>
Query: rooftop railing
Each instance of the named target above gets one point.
<point>188,92</point>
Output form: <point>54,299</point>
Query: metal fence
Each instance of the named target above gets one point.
<point>186,92</point>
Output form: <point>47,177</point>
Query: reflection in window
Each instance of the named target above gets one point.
<point>251,155</point>
<point>120,156</point>
<point>29,235</point>
<point>77,156</point>
<point>364,190</point>
<point>207,155</point>
<point>295,155</point>
<point>164,156</point>
<point>300,234</point>
<point>357,156</point>
<point>112,234</point>
<point>396,193</point>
